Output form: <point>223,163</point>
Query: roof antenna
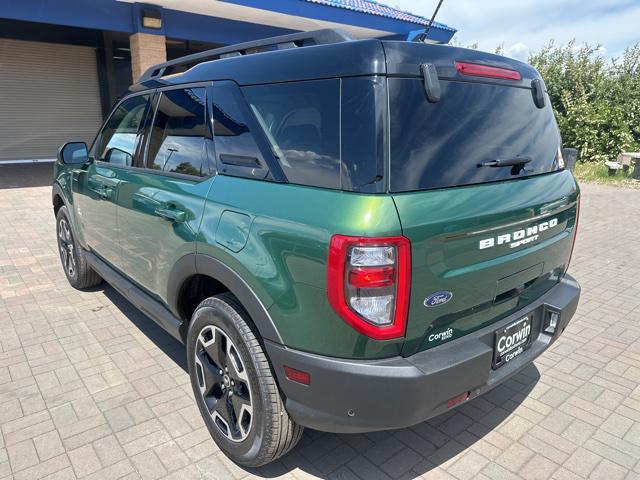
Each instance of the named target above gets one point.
<point>423,36</point>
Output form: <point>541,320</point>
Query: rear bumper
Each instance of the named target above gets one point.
<point>349,396</point>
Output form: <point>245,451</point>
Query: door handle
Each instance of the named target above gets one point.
<point>172,214</point>
<point>105,192</point>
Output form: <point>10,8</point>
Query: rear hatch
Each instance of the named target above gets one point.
<point>485,240</point>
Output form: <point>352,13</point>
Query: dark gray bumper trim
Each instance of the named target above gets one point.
<point>399,392</point>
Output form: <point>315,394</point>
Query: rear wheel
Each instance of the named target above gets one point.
<point>234,387</point>
<point>77,270</point>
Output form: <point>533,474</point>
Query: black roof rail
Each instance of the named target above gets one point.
<point>293,40</point>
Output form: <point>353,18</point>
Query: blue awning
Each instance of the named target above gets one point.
<point>374,8</point>
<point>230,21</point>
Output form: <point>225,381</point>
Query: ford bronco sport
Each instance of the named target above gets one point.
<point>347,235</point>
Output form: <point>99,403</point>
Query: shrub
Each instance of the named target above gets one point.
<point>597,103</point>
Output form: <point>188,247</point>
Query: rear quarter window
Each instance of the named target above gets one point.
<point>302,123</point>
<point>441,144</point>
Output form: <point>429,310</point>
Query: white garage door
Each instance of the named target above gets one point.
<point>48,95</point>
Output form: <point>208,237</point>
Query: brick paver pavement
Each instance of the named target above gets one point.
<point>90,388</point>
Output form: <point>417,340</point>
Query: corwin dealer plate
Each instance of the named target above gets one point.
<point>512,341</point>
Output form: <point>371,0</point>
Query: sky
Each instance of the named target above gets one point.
<point>524,26</point>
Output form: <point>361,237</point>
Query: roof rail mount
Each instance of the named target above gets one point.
<point>293,40</point>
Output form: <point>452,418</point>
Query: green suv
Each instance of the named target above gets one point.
<point>346,235</point>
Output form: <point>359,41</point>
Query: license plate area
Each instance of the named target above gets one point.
<point>512,340</point>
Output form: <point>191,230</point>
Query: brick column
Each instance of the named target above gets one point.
<point>146,50</point>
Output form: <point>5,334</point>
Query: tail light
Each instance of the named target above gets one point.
<point>368,283</point>
<point>477,70</point>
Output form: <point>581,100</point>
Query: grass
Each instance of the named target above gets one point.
<point>595,172</point>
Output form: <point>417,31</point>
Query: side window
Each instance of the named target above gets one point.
<point>237,151</point>
<point>119,137</point>
<point>178,134</point>
<point>302,122</point>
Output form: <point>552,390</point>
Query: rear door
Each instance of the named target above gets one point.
<point>160,204</point>
<point>486,240</point>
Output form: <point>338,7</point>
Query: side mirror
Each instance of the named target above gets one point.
<point>117,156</point>
<point>570,156</point>
<point>73,153</point>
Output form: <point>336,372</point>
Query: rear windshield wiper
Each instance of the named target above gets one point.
<point>506,162</point>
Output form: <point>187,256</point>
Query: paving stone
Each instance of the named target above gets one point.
<point>171,456</point>
<point>48,445</point>
<point>578,432</point>
<point>10,410</point>
<point>544,449</point>
<point>468,465</point>
<point>514,457</point>
<point>336,458</point>
<point>121,470</point>
<point>108,450</point>
<point>84,460</point>
<point>618,425</point>
<point>582,462</point>
<point>401,463</point>
<point>148,465</point>
<point>365,469</point>
<point>633,433</point>
<point>49,467</point>
<point>119,419</point>
<point>497,472</point>
<point>556,421</point>
<point>515,427</point>
<point>538,468</point>
<point>22,455</point>
<point>608,470</point>
<point>564,474</point>
<point>86,437</point>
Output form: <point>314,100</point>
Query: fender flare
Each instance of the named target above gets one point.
<point>57,190</point>
<point>193,263</point>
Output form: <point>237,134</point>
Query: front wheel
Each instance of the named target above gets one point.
<point>234,386</point>
<point>77,270</point>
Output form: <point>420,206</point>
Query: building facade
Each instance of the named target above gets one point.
<point>64,63</point>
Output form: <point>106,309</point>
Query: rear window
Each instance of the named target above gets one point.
<point>441,144</point>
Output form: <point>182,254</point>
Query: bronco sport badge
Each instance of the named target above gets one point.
<point>519,237</point>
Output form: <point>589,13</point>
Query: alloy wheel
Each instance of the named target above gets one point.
<point>67,249</point>
<point>224,383</point>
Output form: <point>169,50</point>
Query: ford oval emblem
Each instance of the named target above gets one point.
<point>438,298</point>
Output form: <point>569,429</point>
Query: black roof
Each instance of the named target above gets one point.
<point>338,57</point>
<point>360,57</point>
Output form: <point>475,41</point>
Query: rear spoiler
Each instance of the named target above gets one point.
<point>406,59</point>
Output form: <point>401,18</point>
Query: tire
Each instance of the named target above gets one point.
<point>77,270</point>
<point>250,424</point>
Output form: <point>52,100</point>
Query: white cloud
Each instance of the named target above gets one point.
<point>614,24</point>
<point>519,51</point>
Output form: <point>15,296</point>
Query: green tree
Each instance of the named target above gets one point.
<point>597,103</point>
